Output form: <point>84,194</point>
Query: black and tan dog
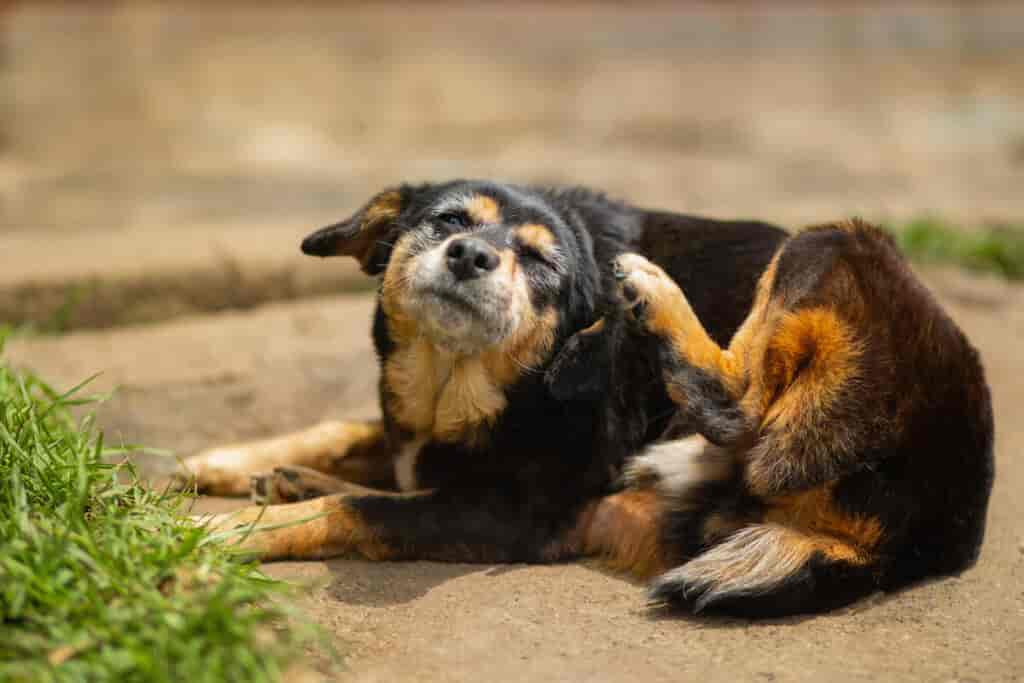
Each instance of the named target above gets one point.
<point>845,433</point>
<point>481,455</point>
<point>845,430</point>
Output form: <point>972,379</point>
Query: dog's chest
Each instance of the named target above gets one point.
<point>405,465</point>
<point>437,395</point>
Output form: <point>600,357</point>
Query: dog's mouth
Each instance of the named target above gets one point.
<point>462,322</point>
<point>453,298</point>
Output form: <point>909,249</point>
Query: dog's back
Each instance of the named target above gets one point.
<point>862,427</point>
<point>918,406</point>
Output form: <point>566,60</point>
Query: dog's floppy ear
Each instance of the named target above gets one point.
<point>582,369</point>
<point>366,236</point>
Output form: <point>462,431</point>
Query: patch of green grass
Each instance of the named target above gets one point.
<point>995,249</point>
<point>102,579</point>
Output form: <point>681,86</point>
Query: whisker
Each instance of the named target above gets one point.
<point>523,366</point>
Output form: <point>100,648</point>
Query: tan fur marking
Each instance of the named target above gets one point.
<point>839,536</point>
<point>536,236</point>
<point>451,398</point>
<point>227,470</point>
<point>669,315</point>
<point>331,528</point>
<point>525,350</point>
<point>386,206</point>
<point>755,322</point>
<point>623,530</point>
<point>402,327</point>
<point>383,209</point>
<point>818,342</point>
<point>483,209</point>
<point>508,264</point>
<point>414,382</point>
<point>808,360</point>
<point>470,399</point>
<point>595,328</point>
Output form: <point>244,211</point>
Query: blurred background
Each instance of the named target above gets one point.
<point>160,162</point>
<point>170,155</point>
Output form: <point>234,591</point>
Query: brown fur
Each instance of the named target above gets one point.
<point>824,526</point>
<point>373,226</point>
<point>620,529</point>
<point>357,451</point>
<point>483,209</point>
<point>329,528</point>
<point>537,237</point>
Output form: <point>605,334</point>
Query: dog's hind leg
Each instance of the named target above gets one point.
<point>705,380</point>
<point>358,452</point>
<point>766,536</point>
<point>786,391</point>
<point>621,529</point>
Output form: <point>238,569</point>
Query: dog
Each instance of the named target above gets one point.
<point>494,442</point>
<point>843,438</point>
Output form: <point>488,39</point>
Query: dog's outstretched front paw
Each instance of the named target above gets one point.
<point>646,293</point>
<point>292,483</point>
<point>217,471</point>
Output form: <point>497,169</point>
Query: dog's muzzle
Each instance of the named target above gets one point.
<point>457,291</point>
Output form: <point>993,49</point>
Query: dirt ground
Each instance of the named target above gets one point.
<point>201,381</point>
<point>167,159</point>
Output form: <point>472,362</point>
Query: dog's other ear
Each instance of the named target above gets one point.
<point>582,369</point>
<point>366,236</point>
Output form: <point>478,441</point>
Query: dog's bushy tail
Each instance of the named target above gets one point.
<point>769,570</point>
<point>748,556</point>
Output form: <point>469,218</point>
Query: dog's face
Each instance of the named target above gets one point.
<point>471,266</point>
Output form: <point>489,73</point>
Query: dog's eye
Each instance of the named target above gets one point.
<point>455,220</point>
<point>534,255</point>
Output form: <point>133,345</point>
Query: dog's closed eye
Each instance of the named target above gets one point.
<point>454,219</point>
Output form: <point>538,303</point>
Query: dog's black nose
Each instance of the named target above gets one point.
<point>470,258</point>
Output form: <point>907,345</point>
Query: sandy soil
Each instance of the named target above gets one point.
<point>201,381</point>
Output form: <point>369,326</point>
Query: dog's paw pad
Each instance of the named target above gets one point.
<point>640,284</point>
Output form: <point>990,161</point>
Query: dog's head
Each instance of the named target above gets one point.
<point>474,267</point>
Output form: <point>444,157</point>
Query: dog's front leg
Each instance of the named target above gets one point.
<point>358,452</point>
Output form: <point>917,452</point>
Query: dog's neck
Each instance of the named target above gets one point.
<point>441,395</point>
